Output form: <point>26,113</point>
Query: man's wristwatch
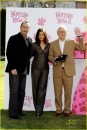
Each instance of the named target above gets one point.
<point>79,36</point>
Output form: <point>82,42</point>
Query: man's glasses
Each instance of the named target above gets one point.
<point>62,32</point>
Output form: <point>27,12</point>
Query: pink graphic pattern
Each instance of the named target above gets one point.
<point>41,21</point>
<point>48,103</point>
<point>79,101</point>
<point>79,54</point>
<point>27,101</point>
<point>85,19</point>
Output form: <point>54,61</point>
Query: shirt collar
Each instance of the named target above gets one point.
<point>60,41</point>
<point>24,37</point>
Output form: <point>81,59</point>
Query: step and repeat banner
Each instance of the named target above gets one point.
<point>50,19</point>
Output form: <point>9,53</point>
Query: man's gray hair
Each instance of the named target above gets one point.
<point>61,26</point>
<point>25,22</point>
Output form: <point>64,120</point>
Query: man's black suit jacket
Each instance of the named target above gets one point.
<point>18,53</point>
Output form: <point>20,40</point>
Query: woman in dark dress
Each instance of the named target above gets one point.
<point>40,70</point>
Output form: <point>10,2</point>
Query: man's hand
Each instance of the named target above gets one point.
<point>56,63</point>
<point>77,31</point>
<point>14,72</point>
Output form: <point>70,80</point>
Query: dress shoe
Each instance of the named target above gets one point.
<point>70,112</point>
<point>22,114</point>
<point>58,114</point>
<point>15,117</point>
<point>67,114</point>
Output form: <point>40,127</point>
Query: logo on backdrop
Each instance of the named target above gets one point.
<point>27,101</point>
<point>41,21</point>
<point>19,16</point>
<point>64,17</point>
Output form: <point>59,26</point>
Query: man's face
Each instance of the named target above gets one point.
<point>24,29</point>
<point>62,34</point>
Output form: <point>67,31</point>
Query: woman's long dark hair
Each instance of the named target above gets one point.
<point>37,36</point>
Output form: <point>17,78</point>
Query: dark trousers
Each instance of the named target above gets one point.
<point>39,86</point>
<point>17,85</point>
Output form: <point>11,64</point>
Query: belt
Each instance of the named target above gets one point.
<point>62,67</point>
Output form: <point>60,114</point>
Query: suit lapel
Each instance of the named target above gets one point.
<point>23,40</point>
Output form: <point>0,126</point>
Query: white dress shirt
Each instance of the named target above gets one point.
<point>61,44</point>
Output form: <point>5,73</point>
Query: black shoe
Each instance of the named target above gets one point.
<point>39,112</point>
<point>15,117</point>
<point>22,114</point>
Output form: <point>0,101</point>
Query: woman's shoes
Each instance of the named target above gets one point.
<point>38,115</point>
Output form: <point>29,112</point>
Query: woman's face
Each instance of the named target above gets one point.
<point>41,36</point>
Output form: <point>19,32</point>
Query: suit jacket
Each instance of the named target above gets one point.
<point>69,47</point>
<point>18,53</point>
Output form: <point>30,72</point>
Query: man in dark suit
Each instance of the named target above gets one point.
<point>17,53</point>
